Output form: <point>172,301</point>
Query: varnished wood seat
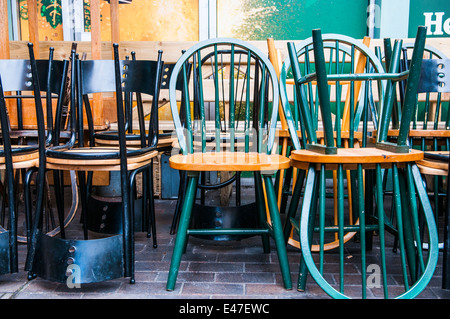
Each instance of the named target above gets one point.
<point>367,157</point>
<point>432,165</point>
<point>20,153</point>
<point>229,161</point>
<point>98,158</point>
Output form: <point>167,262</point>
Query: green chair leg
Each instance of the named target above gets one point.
<point>278,232</point>
<point>181,238</point>
<point>259,194</point>
<point>295,199</point>
<point>308,211</point>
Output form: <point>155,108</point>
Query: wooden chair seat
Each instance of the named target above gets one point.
<point>134,140</point>
<point>98,157</point>
<point>418,133</point>
<point>29,163</point>
<point>21,153</point>
<point>431,166</point>
<point>350,157</point>
<point>228,161</point>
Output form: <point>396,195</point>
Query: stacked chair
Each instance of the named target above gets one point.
<point>24,144</point>
<point>89,260</point>
<point>16,156</point>
<point>367,162</point>
<point>345,53</point>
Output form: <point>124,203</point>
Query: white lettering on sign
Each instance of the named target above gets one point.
<point>436,19</point>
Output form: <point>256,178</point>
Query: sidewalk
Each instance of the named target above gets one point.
<point>209,270</point>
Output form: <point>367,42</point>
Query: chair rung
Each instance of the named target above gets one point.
<point>238,231</point>
<point>347,228</point>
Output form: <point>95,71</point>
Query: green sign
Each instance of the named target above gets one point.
<point>434,14</point>
<point>294,19</point>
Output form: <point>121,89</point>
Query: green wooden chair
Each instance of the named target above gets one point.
<point>212,146</point>
<point>316,159</point>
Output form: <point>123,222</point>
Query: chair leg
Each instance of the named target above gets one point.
<point>146,222</point>
<point>181,192</point>
<point>400,223</point>
<point>83,196</point>
<point>285,192</point>
<point>185,218</point>
<point>28,205</point>
<point>59,194</point>
<point>362,223</point>
<point>152,205</point>
<point>262,218</point>
<point>278,232</point>
<point>446,252</point>
<point>308,211</point>
<point>295,199</point>
<point>433,244</point>
<point>380,215</point>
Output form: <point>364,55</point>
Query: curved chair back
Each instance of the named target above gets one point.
<point>344,55</point>
<point>239,78</point>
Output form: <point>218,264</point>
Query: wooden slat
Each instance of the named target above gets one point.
<point>96,54</point>
<point>33,26</point>
<point>115,30</point>
<point>4,31</point>
<point>172,49</point>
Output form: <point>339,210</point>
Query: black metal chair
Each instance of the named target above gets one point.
<point>99,259</point>
<point>25,77</point>
<point>17,79</point>
<point>144,221</point>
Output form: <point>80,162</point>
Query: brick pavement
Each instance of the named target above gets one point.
<point>209,270</point>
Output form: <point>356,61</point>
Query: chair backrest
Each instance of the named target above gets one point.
<point>229,100</point>
<point>51,75</point>
<point>352,100</point>
<point>119,77</point>
<point>432,110</point>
